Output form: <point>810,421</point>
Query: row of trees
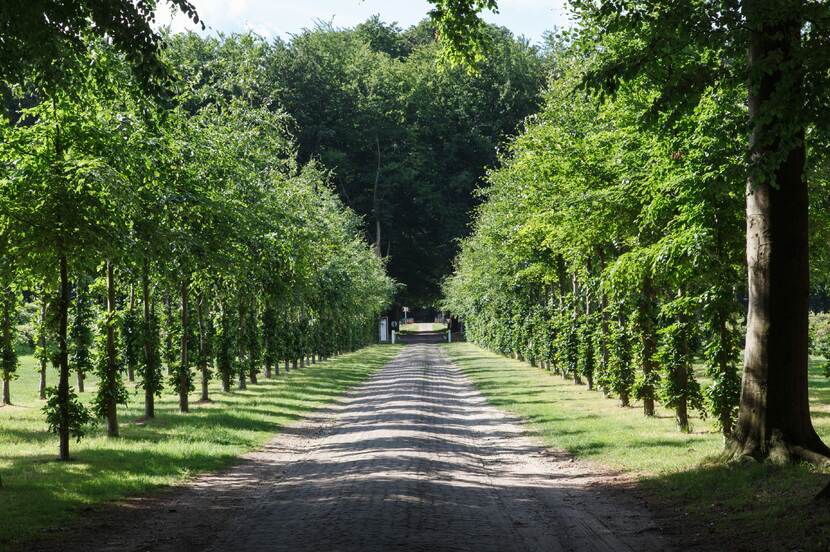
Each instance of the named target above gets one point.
<point>603,246</point>
<point>613,238</point>
<point>183,223</point>
<point>703,77</point>
<point>408,140</point>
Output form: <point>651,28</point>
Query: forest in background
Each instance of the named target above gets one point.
<point>407,139</point>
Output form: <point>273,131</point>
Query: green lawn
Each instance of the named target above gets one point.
<point>745,506</point>
<point>39,492</point>
<point>416,328</point>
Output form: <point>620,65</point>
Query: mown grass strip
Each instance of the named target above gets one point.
<point>741,507</point>
<point>39,492</point>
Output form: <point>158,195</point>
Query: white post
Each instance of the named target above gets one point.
<point>393,337</point>
<point>449,335</point>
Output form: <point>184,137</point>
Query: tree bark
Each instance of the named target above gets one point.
<point>203,360</point>
<point>589,345</point>
<point>7,342</point>
<point>42,345</point>
<point>184,367</point>
<point>168,337</point>
<point>252,362</point>
<point>112,364</point>
<point>63,360</point>
<point>149,356</point>
<point>80,375</point>
<point>648,342</point>
<point>130,365</point>
<point>577,379</point>
<point>774,414</point>
<point>241,341</point>
<point>681,373</point>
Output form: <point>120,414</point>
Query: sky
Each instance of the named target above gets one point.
<point>271,18</point>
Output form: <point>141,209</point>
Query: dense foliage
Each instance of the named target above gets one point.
<point>667,122</point>
<point>407,138</point>
<point>606,244</point>
<point>187,233</point>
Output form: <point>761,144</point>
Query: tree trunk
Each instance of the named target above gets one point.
<point>575,284</point>
<point>681,373</point>
<point>203,360</point>
<point>42,345</point>
<point>168,337</point>
<point>130,365</point>
<point>376,201</point>
<point>63,361</point>
<point>287,369</point>
<point>774,415</point>
<point>725,368</point>
<point>589,343</point>
<point>112,364</point>
<point>184,367</point>
<point>7,342</point>
<point>241,341</point>
<point>648,343</point>
<point>147,339</point>
<point>294,364</point>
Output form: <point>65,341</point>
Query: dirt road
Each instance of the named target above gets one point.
<point>413,460</point>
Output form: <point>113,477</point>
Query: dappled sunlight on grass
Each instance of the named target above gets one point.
<point>584,422</point>
<point>40,492</point>
<point>705,501</point>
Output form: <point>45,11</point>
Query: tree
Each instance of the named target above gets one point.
<point>682,50</point>
<point>37,33</point>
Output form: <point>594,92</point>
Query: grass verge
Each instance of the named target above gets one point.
<point>39,492</point>
<point>699,501</point>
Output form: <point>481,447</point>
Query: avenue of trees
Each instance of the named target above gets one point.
<point>407,138</point>
<point>664,207</point>
<point>159,228</point>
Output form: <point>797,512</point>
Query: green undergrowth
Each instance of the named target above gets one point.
<point>696,497</point>
<point>39,492</point>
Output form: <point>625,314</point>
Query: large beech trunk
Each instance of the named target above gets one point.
<point>184,367</point>
<point>112,364</point>
<point>149,354</point>
<point>63,360</point>
<point>774,415</point>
